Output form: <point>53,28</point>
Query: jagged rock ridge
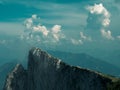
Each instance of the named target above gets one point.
<point>17,79</point>
<point>48,73</point>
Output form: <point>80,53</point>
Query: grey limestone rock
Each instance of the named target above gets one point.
<point>49,73</point>
<point>17,79</point>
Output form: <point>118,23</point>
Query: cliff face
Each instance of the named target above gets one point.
<point>48,73</point>
<point>17,79</point>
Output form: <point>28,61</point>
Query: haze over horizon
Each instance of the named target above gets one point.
<point>78,26</point>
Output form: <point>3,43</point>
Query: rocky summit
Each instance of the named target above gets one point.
<point>17,79</point>
<point>46,72</point>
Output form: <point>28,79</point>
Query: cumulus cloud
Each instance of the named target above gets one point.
<point>107,34</point>
<point>83,37</point>
<point>41,29</point>
<point>76,42</point>
<point>103,17</point>
<point>56,32</point>
<point>99,9</point>
<point>34,29</point>
<point>40,32</point>
<point>56,28</point>
<point>36,32</point>
<point>30,22</point>
<point>34,16</point>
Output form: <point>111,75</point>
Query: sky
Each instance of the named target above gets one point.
<point>79,26</point>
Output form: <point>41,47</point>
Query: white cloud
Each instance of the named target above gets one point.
<point>34,16</point>
<point>99,9</point>
<point>76,42</point>
<point>107,34</point>
<point>40,33</point>
<point>28,23</point>
<point>34,28</point>
<point>56,28</point>
<point>82,36</point>
<point>56,32</point>
<point>106,22</point>
<point>41,29</point>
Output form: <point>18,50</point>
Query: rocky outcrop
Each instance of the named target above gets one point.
<point>17,79</point>
<point>48,73</point>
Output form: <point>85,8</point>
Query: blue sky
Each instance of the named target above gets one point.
<point>89,26</point>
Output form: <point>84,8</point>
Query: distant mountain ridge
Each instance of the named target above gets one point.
<point>75,59</point>
<point>46,72</point>
<point>4,70</point>
<point>87,61</point>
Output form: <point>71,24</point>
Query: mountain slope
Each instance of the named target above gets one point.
<point>46,72</point>
<point>87,61</point>
<point>17,79</point>
<point>82,60</point>
<point>4,69</point>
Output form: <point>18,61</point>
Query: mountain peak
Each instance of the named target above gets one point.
<point>46,72</point>
<point>37,52</point>
<point>18,68</point>
<point>16,80</point>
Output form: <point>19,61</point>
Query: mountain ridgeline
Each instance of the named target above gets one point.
<point>46,72</point>
<point>87,61</point>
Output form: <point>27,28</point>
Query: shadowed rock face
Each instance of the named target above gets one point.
<point>17,79</point>
<point>48,73</point>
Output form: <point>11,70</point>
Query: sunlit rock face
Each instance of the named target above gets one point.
<point>17,79</point>
<point>48,73</point>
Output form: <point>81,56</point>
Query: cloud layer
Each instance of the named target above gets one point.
<point>98,18</point>
<point>103,16</point>
<point>107,34</point>
<point>100,10</point>
<point>34,30</point>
